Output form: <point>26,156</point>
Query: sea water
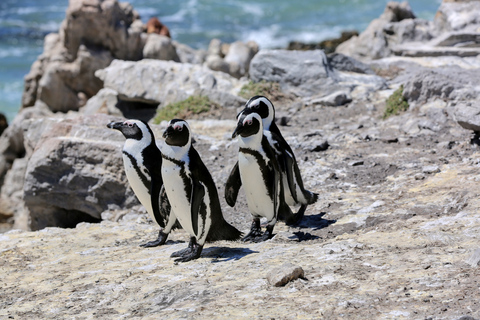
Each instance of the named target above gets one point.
<point>271,23</point>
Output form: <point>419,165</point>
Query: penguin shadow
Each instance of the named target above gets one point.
<point>222,254</point>
<point>315,222</point>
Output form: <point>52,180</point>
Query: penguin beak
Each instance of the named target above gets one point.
<point>167,132</point>
<point>238,130</point>
<point>115,125</point>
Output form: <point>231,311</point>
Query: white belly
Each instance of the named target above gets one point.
<point>180,201</point>
<point>142,193</point>
<point>258,201</point>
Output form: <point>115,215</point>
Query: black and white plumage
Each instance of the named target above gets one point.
<point>295,192</point>
<point>143,161</point>
<point>260,175</point>
<point>192,192</point>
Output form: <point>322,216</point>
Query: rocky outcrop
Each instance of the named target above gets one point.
<point>309,74</point>
<point>454,32</point>
<point>74,171</point>
<point>233,58</point>
<point>159,83</point>
<point>63,76</point>
<point>396,25</point>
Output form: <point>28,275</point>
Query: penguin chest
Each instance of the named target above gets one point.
<point>139,180</point>
<point>257,189</point>
<point>177,185</point>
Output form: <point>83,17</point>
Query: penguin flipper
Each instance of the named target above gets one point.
<point>198,192</point>
<point>155,195</point>
<point>291,169</point>
<point>232,186</point>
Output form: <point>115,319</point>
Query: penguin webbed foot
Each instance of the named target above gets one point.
<point>162,238</point>
<point>295,218</point>
<point>190,253</point>
<point>256,234</point>
<point>268,234</point>
<point>255,231</point>
<point>181,253</point>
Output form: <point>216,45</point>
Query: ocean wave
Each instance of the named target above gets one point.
<point>40,10</point>
<point>275,36</point>
<point>13,52</point>
<point>188,9</point>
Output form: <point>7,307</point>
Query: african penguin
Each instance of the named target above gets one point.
<point>192,192</point>
<point>295,194</point>
<point>260,175</point>
<point>143,161</point>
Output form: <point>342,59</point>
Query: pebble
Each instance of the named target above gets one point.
<point>284,274</point>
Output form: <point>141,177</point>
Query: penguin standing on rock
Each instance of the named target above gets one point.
<point>192,192</point>
<point>259,172</point>
<point>295,192</point>
<point>142,160</point>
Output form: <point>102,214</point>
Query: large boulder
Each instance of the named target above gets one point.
<point>75,171</point>
<point>159,47</point>
<point>158,82</point>
<point>452,83</point>
<point>309,74</point>
<point>458,16</point>
<point>467,115</point>
<point>93,34</point>
<point>397,24</point>
<point>233,58</point>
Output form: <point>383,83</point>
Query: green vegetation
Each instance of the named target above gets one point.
<point>396,103</point>
<point>262,88</point>
<point>184,109</point>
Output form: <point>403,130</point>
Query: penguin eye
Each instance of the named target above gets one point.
<point>179,128</point>
<point>249,122</point>
<point>130,124</point>
<point>256,106</point>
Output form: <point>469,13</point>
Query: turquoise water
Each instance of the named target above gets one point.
<point>271,23</point>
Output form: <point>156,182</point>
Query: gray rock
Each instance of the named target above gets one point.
<point>443,82</point>
<point>63,76</point>
<point>305,73</point>
<point>105,101</point>
<point>233,58</point>
<point>374,42</point>
<point>308,74</point>
<point>431,169</point>
<point>457,15</point>
<point>335,99</point>
<point>345,63</point>
<point>12,140</point>
<point>187,54</point>
<point>284,274</point>
<point>467,114</point>
<point>159,47</point>
<point>239,56</point>
<point>474,259</point>
<point>217,63</point>
<point>75,173</point>
<point>164,82</point>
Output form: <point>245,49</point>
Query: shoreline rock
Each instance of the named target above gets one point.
<point>397,215</point>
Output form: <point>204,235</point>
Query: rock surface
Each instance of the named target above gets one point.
<point>393,235</point>
<point>162,82</point>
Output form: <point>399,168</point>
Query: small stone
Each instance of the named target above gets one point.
<point>431,169</point>
<point>356,163</point>
<point>474,259</point>
<point>282,275</point>
<point>321,147</point>
<point>419,176</point>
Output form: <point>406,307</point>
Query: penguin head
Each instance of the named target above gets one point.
<point>248,125</point>
<point>177,133</point>
<point>262,106</point>
<point>132,129</point>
